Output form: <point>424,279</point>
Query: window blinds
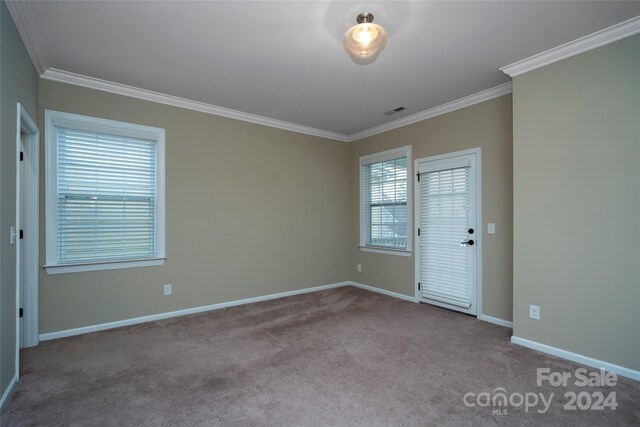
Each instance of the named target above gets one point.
<point>444,221</point>
<point>384,204</point>
<point>106,197</point>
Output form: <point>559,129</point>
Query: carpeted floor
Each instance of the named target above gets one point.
<point>339,357</point>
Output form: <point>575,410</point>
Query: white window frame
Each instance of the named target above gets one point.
<point>55,119</point>
<point>376,158</point>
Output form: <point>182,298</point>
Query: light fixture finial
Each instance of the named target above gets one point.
<point>364,17</point>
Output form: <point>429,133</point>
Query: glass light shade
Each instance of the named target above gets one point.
<point>364,42</point>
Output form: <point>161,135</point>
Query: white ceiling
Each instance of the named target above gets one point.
<point>284,60</point>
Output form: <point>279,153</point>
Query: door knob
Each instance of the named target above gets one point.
<point>470,231</point>
<point>468,242</point>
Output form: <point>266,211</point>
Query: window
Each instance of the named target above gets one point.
<point>104,194</point>
<point>384,202</point>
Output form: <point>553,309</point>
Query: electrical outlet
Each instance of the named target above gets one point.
<point>359,267</point>
<point>167,289</point>
<point>534,312</point>
<point>491,228</point>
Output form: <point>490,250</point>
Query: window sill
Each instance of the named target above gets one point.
<point>397,252</point>
<point>103,265</point>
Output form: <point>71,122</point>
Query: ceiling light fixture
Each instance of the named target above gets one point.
<point>364,41</point>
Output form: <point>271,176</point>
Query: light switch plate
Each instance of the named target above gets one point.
<point>12,235</point>
<point>167,289</point>
<point>359,267</point>
<point>491,228</point>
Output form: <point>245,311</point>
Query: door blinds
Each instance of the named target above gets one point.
<point>444,221</point>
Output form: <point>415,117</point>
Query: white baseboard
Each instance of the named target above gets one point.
<point>589,361</point>
<point>490,319</point>
<point>194,310</point>
<point>8,391</point>
<point>382,291</point>
<point>579,358</point>
<point>497,321</point>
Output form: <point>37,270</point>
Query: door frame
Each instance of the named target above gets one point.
<point>479,225</point>
<point>27,126</point>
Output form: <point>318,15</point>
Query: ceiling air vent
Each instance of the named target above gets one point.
<point>395,110</point>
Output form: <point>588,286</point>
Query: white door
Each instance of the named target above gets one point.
<point>21,255</point>
<point>27,242</point>
<point>448,237</point>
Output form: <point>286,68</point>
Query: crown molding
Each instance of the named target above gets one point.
<point>23,18</point>
<point>467,101</point>
<point>600,38</point>
<point>147,95</point>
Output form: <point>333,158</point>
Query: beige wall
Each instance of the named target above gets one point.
<point>486,125</point>
<point>577,203</point>
<point>18,83</point>
<point>250,211</point>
